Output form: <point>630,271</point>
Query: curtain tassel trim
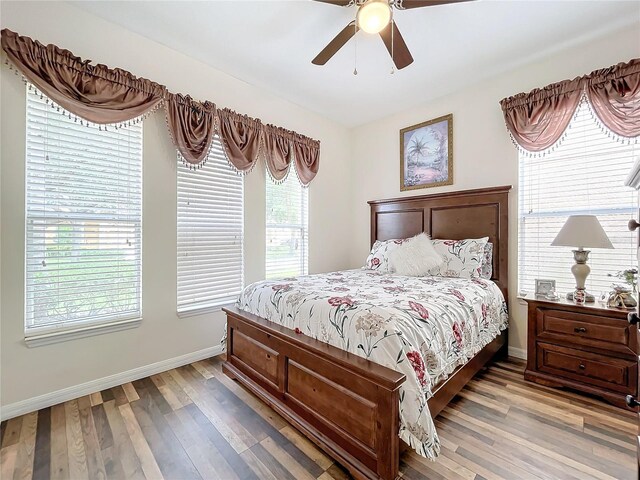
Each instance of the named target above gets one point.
<point>606,130</point>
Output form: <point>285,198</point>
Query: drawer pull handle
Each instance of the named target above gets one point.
<point>581,366</point>
<point>580,330</point>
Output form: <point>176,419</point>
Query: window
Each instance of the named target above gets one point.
<point>287,228</point>
<point>210,234</point>
<point>584,174</point>
<point>84,219</point>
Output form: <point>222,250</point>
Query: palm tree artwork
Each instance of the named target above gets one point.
<point>426,155</point>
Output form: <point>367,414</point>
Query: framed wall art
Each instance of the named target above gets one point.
<point>426,154</point>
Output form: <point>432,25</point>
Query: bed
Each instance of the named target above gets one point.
<point>354,408</point>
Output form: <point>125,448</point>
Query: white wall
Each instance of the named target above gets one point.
<point>29,372</point>
<point>483,154</point>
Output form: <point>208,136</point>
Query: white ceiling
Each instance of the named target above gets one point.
<point>270,44</point>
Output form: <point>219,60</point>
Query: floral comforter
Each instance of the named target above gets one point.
<point>424,327</point>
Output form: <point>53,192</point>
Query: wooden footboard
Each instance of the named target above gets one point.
<point>345,404</point>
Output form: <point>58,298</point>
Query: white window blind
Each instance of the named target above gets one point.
<point>210,233</point>
<point>287,228</point>
<point>84,218</point>
<point>584,174</point>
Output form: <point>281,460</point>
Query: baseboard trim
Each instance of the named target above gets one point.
<point>69,393</point>
<point>518,353</point>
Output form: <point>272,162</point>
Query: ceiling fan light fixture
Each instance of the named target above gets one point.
<point>374,15</point>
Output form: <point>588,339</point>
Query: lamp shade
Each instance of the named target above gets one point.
<point>582,231</point>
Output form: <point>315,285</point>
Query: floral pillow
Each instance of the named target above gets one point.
<point>461,258</point>
<point>486,269</point>
<point>378,259</point>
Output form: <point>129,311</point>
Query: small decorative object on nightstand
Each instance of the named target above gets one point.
<point>581,231</point>
<point>630,277</point>
<point>584,347</point>
<point>621,297</point>
<point>552,295</point>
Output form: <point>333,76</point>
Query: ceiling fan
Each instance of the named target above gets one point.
<point>376,16</point>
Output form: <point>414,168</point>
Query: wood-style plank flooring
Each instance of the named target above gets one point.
<point>193,422</point>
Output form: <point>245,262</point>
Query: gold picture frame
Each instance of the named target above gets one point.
<point>426,154</point>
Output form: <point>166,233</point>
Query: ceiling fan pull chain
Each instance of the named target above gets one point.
<point>392,42</point>
<point>355,49</point>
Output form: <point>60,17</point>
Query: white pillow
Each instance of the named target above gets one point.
<point>414,257</point>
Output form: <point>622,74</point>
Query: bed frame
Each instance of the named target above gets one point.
<point>345,404</point>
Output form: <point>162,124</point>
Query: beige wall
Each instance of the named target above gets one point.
<point>483,155</point>
<point>28,372</point>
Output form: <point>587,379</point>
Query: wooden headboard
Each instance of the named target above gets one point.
<point>452,215</point>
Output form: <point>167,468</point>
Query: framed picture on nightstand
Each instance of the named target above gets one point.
<point>544,286</point>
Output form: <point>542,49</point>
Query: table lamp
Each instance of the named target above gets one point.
<point>581,231</point>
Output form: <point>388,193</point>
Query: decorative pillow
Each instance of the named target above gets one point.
<point>414,257</point>
<point>486,268</point>
<point>461,258</point>
<point>378,259</point>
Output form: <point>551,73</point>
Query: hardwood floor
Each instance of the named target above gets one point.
<point>194,422</point>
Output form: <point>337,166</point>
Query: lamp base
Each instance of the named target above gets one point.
<point>588,298</point>
<point>580,271</point>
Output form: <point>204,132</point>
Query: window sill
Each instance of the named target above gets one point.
<point>38,340</point>
<point>203,310</point>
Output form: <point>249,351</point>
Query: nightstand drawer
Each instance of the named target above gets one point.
<point>606,372</point>
<point>582,329</point>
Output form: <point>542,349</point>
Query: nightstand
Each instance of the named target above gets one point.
<point>584,347</point>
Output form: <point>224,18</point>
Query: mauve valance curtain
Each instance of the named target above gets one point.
<point>94,92</point>
<point>104,96</point>
<point>537,120</point>
<point>307,157</point>
<point>278,151</point>
<point>282,147</point>
<point>241,136</point>
<point>614,94</point>
<point>192,126</point>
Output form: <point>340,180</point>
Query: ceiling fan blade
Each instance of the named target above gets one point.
<point>340,3</point>
<point>401,55</point>
<point>407,4</point>
<point>336,44</point>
